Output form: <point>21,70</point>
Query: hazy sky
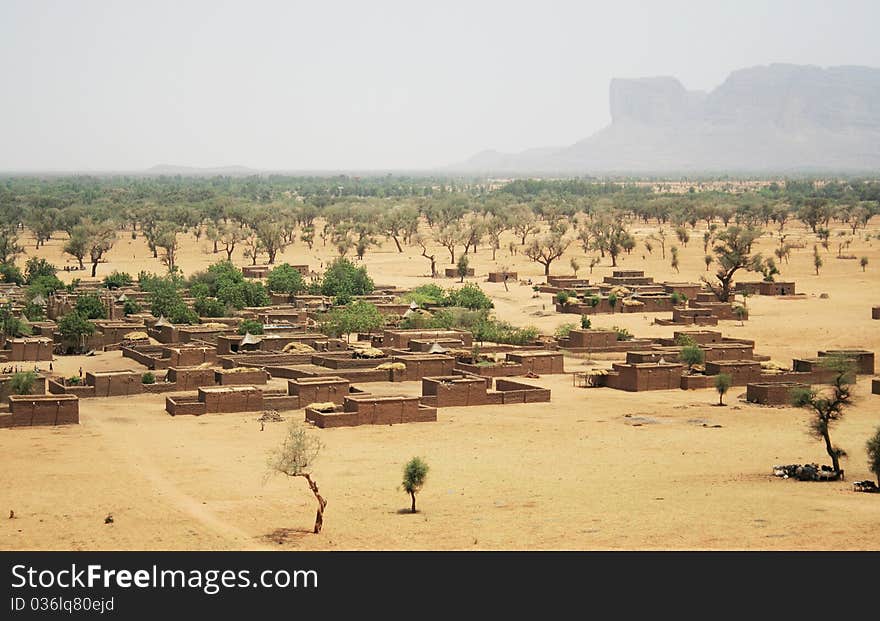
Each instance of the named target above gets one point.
<point>370,84</point>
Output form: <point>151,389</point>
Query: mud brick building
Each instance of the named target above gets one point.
<point>41,410</point>
<point>645,376</point>
<point>772,394</point>
<point>319,389</point>
<point>239,376</point>
<point>538,362</point>
<point>399,339</point>
<point>28,349</point>
<point>452,272</point>
<point>190,378</point>
<point>862,358</point>
<point>502,276</point>
<point>766,288</point>
<point>370,410</point>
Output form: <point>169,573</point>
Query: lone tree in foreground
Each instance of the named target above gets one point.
<point>295,458</point>
<point>722,385</point>
<point>414,474</point>
<point>828,406</point>
<point>873,448</point>
<point>462,267</point>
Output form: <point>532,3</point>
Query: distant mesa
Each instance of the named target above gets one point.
<point>776,118</point>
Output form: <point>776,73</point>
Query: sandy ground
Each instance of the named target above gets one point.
<point>593,469</point>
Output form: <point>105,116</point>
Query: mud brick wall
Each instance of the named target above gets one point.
<point>232,399</point>
<point>58,388</point>
<point>568,282</point>
<point>319,390</point>
<point>530,394</point>
<point>39,387</point>
<point>164,334</point>
<point>191,378</point>
<point>454,391</point>
<point>771,394</point>
<point>423,345</point>
<point>539,362</point>
<point>668,354</point>
<point>592,339</point>
<point>231,377</point>
<point>345,361</point>
<point>695,382</point>
<point>384,410</point>
<point>864,360</point>
<point>190,356</point>
<point>722,310</point>
<point>728,351</point>
<point>263,360</point>
<point>741,372</point>
<point>39,410</point>
<point>701,337</point>
<point>281,403</point>
<point>160,387</point>
<point>325,420</point>
<point>776,288</point>
<point>499,276</point>
<point>30,349</point>
<point>652,304</point>
<point>400,338</point>
<point>150,356</point>
<point>493,370</point>
<point>429,365</point>
<point>184,405</point>
<point>112,384</point>
<point>875,386</point>
<point>689,290</point>
<point>637,378</point>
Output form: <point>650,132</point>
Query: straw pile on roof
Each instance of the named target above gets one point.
<point>136,335</point>
<point>323,406</point>
<point>297,347</point>
<point>369,352</point>
<point>393,366</point>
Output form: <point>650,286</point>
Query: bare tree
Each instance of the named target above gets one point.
<point>295,458</point>
<point>546,250</point>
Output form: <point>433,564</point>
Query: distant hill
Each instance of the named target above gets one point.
<point>771,118</point>
<point>193,171</point>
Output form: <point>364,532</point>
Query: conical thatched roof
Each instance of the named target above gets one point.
<point>250,339</point>
<point>162,323</point>
<point>437,348</point>
<point>413,305</point>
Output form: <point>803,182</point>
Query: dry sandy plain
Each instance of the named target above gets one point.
<point>575,473</point>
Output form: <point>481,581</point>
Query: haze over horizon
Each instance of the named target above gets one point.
<point>104,86</point>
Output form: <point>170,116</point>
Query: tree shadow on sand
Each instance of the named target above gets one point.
<point>281,536</point>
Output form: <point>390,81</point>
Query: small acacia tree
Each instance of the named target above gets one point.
<point>414,474</point>
<point>461,267</point>
<point>692,355</point>
<point>722,385</point>
<point>828,406</point>
<point>295,458</point>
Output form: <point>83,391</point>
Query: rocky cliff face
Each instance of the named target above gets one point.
<point>772,118</point>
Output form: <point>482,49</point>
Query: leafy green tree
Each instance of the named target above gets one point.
<point>358,316</point>
<point>415,474</point>
<point>462,267</point>
<point>249,325</point>
<point>74,328</point>
<point>722,385</point>
<point>90,306</point>
<point>469,296</point>
<point>343,277</point>
<point>829,405</point>
<point>285,279</point>
<point>117,280</point>
<point>10,325</point>
<point>37,267</point>
<point>9,272</point>
<point>733,252</point>
<point>209,307</point>
<point>546,250</point>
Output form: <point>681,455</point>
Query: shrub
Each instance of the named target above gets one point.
<point>37,268</point>
<point>425,294</point>
<point>9,272</point>
<point>209,307</point>
<point>692,355</point>
<point>90,306</point>
<point>117,280</point>
<point>74,380</point>
<point>285,279</point>
<point>469,296</point>
<point>684,340</point>
<point>586,324</point>
<point>622,334</point>
<point>22,383</point>
<point>722,385</point>
<point>414,474</point>
<point>73,327</point>
<point>593,300</point>
<point>562,298</point>
<point>131,307</point>
<point>148,378</point>
<point>564,330</point>
<point>249,325</point>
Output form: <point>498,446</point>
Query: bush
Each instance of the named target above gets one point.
<point>117,280</point>
<point>622,334</point>
<point>564,330</point>
<point>285,279</point>
<point>33,312</point>
<point>209,307</point>
<point>38,268</point>
<point>74,380</point>
<point>131,307</point>
<point>249,325</point>
<point>148,378</point>
<point>469,296</point>
<point>692,355</point>
<point>586,324</point>
<point>226,282</point>
<point>22,383</point>
<point>562,298</point>
<point>73,327</point>
<point>722,385</point>
<point>11,325</point>
<point>593,300</point>
<point>678,298</point>
<point>685,340</point>
<point>9,272</point>
<point>356,317</point>
<point>90,306</point>
<point>343,277</point>
<point>425,294</point>
<point>44,285</point>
